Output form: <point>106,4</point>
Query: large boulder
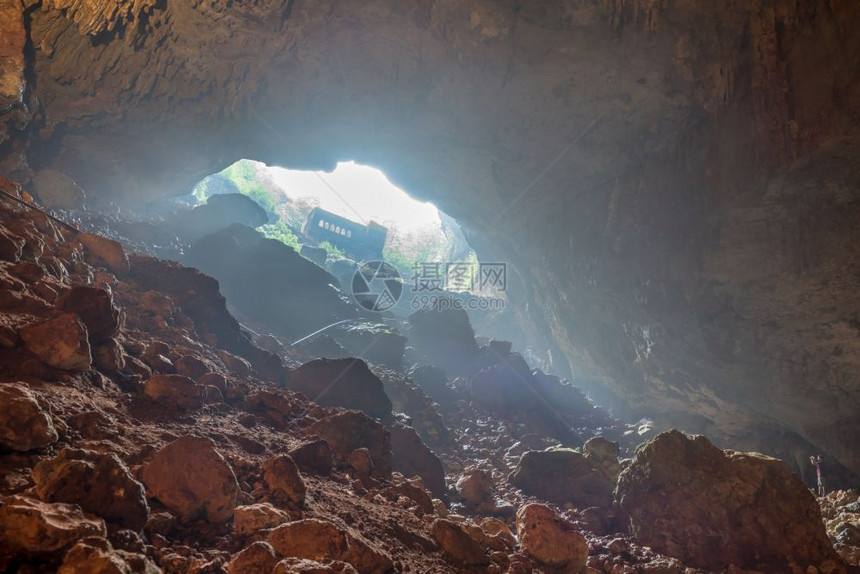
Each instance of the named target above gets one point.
<point>712,508</point>
<point>412,457</point>
<point>193,480</point>
<point>96,310</point>
<point>457,543</point>
<point>562,476</point>
<point>218,212</point>
<point>257,558</point>
<point>376,342</point>
<point>104,252</point>
<point>255,517</point>
<point>97,555</point>
<point>444,338</point>
<point>550,539</point>
<point>270,282</point>
<point>346,383</point>
<point>283,481</point>
<point>32,527</point>
<point>61,342</point>
<point>24,425</point>
<point>200,299</point>
<point>99,483</point>
<point>315,539</point>
<point>174,392</point>
<point>350,430</point>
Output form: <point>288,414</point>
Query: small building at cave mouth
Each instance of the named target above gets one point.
<point>358,241</point>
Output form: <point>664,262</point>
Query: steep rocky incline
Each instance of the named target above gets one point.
<point>673,184</point>
<point>144,432</point>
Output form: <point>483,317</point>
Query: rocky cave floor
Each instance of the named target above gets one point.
<point>143,431</point>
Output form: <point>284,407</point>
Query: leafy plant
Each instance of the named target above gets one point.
<point>280,232</point>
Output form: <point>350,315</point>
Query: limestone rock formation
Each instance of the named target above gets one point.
<point>193,480</point>
<point>346,383</point>
<point>672,186</point>
<point>261,277</point>
<point>712,508</point>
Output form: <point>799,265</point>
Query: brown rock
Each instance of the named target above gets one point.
<point>191,367</point>
<point>283,480</point>
<point>711,508</point>
<point>412,457</point>
<point>603,456</point>
<point>562,475</point>
<point>313,457</point>
<point>321,540</point>
<point>305,566</point>
<point>30,526</point>
<point>105,252</point>
<point>174,391</point>
<point>193,480</point>
<point>497,527</point>
<point>346,383</point>
<point>255,517</point>
<point>474,489</point>
<point>309,538</point>
<point>99,483</point>
<point>277,407</point>
<point>237,366</point>
<point>109,357</point>
<point>457,543</point>
<point>96,310</point>
<point>11,246</point>
<point>549,539</point>
<point>60,342</point>
<point>216,380</point>
<point>24,425</point>
<point>416,492</point>
<point>258,558</point>
<point>95,555</point>
<point>349,430</point>
<point>361,461</point>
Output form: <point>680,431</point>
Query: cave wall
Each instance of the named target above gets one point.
<point>674,185</point>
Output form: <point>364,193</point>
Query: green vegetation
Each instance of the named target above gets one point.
<point>244,173</point>
<point>280,232</point>
<point>332,250</point>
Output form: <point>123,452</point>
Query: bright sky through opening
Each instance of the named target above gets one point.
<point>367,191</point>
